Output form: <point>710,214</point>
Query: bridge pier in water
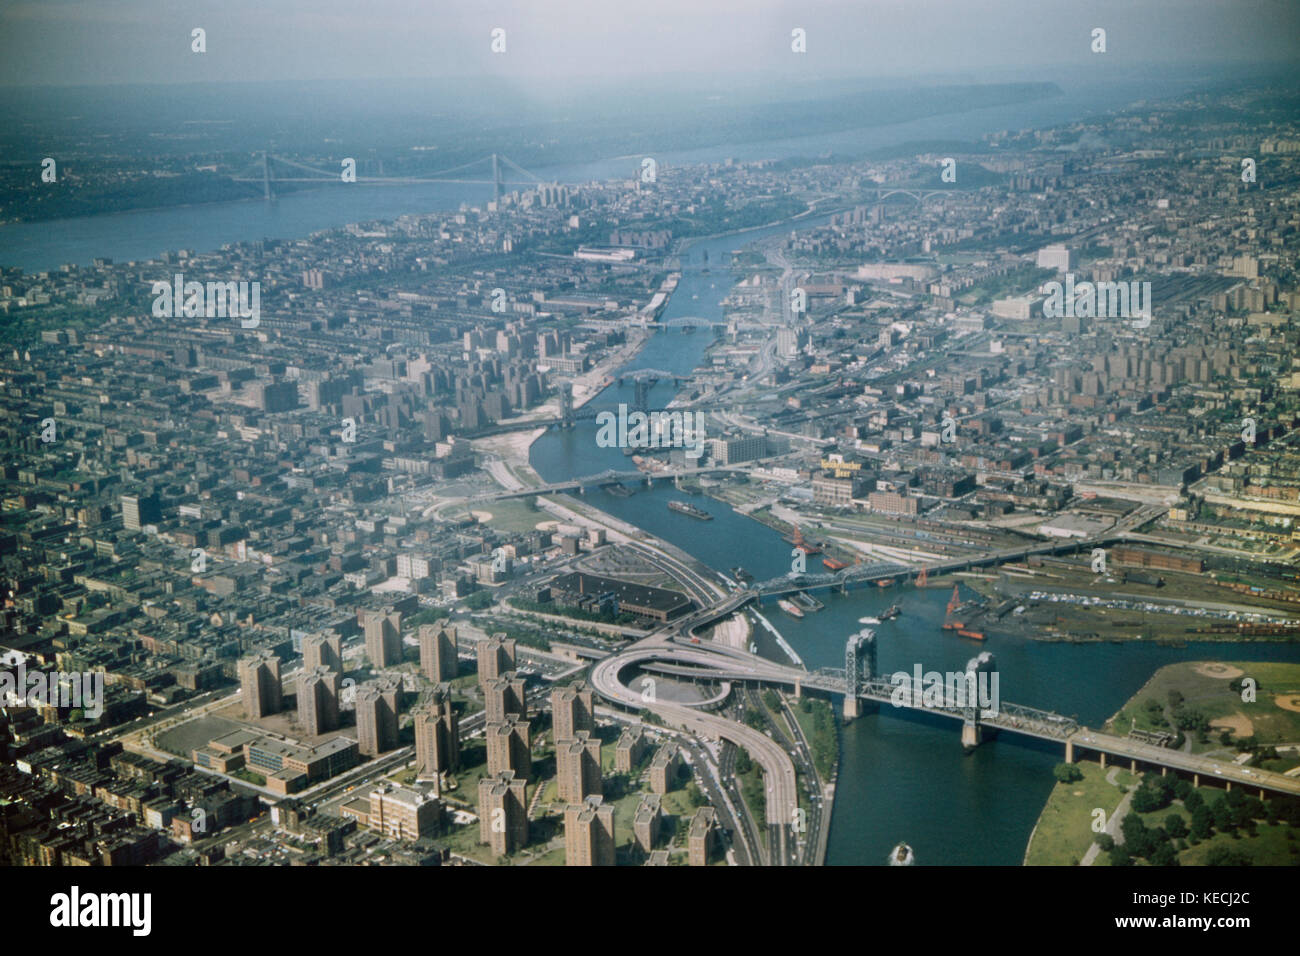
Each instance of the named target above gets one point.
<point>859,666</point>
<point>972,729</point>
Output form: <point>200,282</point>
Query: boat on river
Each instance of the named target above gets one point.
<point>789,607</point>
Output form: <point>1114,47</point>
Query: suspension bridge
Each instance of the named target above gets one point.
<point>267,172</point>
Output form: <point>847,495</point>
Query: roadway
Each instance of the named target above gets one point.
<point>778,769</point>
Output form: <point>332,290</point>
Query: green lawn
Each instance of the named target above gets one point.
<point>1064,830</point>
<point>514,516</point>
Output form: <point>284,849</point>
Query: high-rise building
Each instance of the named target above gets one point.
<point>645,825</point>
<point>736,449</point>
<point>259,683</point>
<point>589,833</point>
<point>140,510</point>
<point>572,710</point>
<point>577,767</point>
<point>403,813</point>
<point>496,655</point>
<point>631,745</point>
<point>322,650</point>
<point>663,768</point>
<point>384,637</point>
<point>503,812</point>
<point>509,747</point>
<point>504,695</point>
<point>378,704</point>
<point>437,740</point>
<point>700,837</point>
<point>1059,257</point>
<point>438,649</point>
<point>318,700</point>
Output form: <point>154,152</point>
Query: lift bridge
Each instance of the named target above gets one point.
<point>266,173</point>
<point>859,683</point>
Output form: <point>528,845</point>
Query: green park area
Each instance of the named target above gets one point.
<point>1221,709</point>
<point>1210,708</point>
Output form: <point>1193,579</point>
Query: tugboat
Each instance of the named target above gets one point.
<point>686,508</point>
<point>901,855</point>
<point>833,564</point>
<point>892,612</point>
<point>741,575</point>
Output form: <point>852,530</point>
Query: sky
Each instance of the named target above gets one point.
<point>109,42</point>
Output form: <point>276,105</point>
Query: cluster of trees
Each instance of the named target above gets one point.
<point>824,742</point>
<point>1233,812</point>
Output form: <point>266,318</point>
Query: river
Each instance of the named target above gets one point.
<point>901,776</point>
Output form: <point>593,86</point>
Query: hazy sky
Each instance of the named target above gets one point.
<point>72,42</point>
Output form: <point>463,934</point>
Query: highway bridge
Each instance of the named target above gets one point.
<point>858,684</point>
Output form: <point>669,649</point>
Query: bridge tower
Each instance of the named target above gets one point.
<point>496,177</point>
<point>859,667</point>
<point>266,176</point>
<point>972,731</point>
<point>566,405</point>
<point>641,397</point>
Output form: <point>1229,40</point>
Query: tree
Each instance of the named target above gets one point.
<point>1202,824</point>
<point>1224,819</point>
<point>1145,800</point>
<point>1067,772</point>
<point>1164,855</point>
<point>1175,826</point>
<point>1105,841</point>
<point>1136,838</point>
<point>1224,856</point>
<point>1193,799</point>
<point>1182,789</point>
<point>1119,856</point>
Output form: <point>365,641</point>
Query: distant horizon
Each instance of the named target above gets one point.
<point>113,43</point>
<point>1041,73</point>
